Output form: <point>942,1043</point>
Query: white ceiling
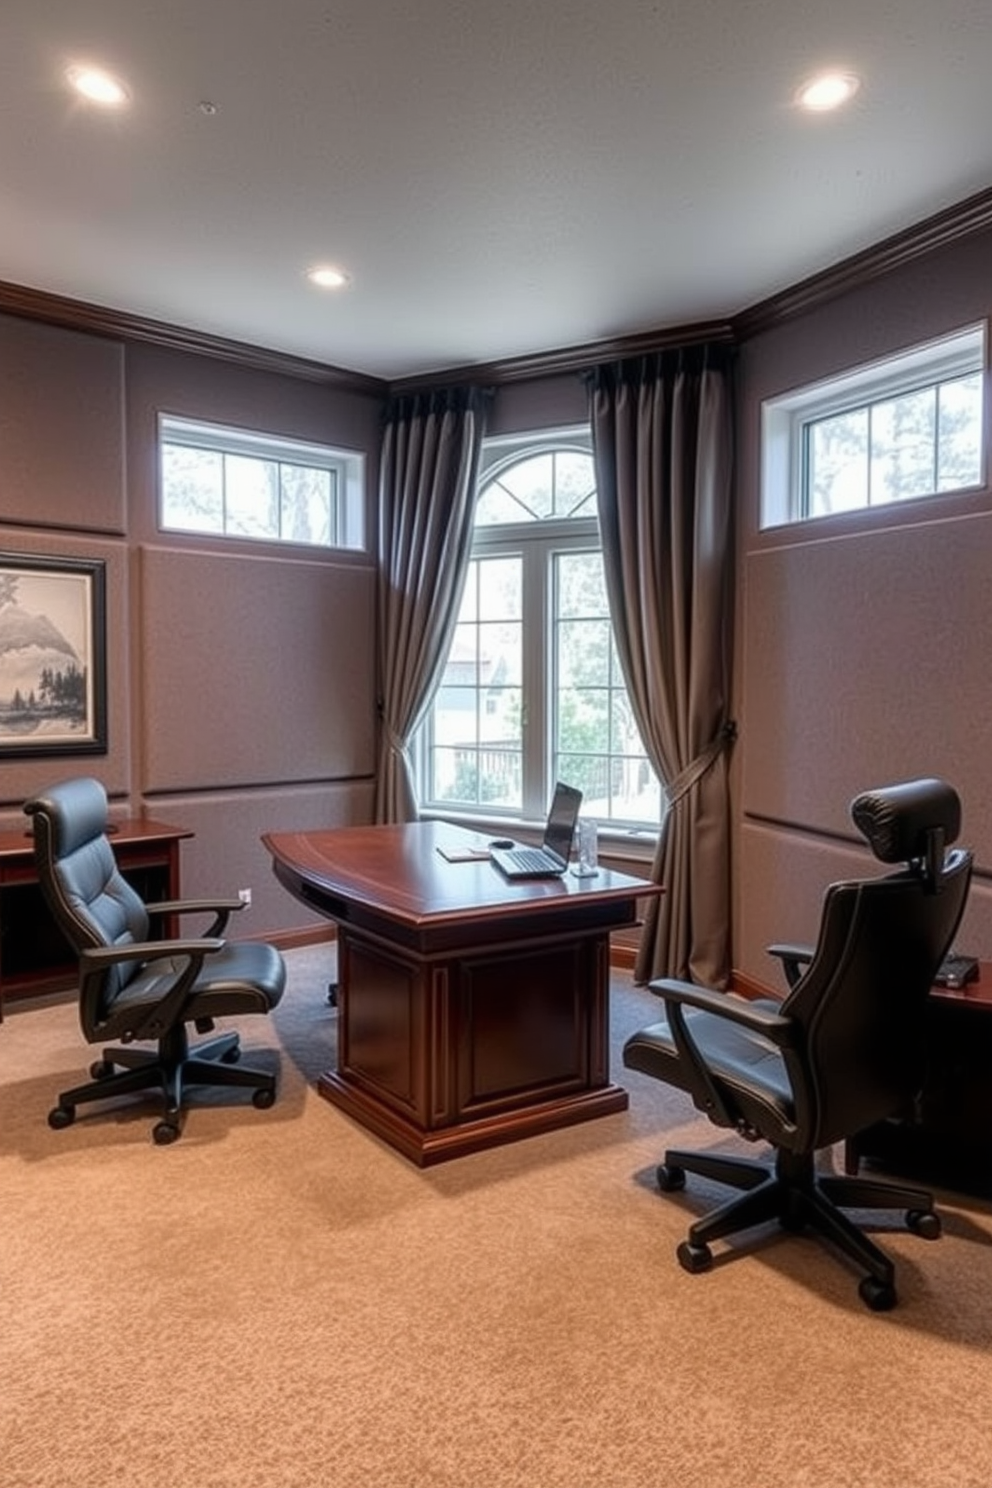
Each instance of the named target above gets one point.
<point>499,179</point>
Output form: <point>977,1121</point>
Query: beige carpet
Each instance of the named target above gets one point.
<point>279,1300</point>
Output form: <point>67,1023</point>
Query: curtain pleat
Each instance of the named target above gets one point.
<point>430,459</point>
<point>662,442</point>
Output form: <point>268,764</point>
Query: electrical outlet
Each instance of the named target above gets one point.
<point>245,896</point>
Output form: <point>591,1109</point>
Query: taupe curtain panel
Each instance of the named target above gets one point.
<point>430,460</point>
<point>662,440</point>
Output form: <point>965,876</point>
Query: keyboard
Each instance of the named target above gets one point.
<point>528,860</point>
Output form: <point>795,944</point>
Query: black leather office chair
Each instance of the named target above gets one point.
<point>846,1047</point>
<point>135,988</point>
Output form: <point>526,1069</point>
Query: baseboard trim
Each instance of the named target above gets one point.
<point>623,957</point>
<point>750,987</point>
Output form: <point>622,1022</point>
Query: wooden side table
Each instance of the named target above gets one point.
<point>34,955</point>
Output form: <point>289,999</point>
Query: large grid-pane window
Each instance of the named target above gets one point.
<point>597,742</point>
<point>532,690</point>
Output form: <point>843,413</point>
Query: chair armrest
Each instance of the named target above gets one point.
<point>156,1020</point>
<point>222,909</point>
<point>729,1005</point>
<point>150,950</point>
<point>793,958</point>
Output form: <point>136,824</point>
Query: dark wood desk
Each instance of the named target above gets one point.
<point>34,955</point>
<point>947,1138</point>
<point>472,1011</point>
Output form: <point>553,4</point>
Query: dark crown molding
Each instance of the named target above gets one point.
<point>99,320</point>
<point>570,358</point>
<point>963,220</point>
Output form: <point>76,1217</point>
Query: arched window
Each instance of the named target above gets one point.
<point>532,691</point>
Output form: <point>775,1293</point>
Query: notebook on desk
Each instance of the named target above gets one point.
<point>550,859</point>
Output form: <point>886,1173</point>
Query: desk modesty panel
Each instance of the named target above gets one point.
<point>472,1010</point>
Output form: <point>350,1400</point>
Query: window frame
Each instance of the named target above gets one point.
<point>346,467</point>
<point>536,543</point>
<point>787,419</point>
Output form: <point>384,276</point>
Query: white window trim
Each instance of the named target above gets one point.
<point>348,466</point>
<point>784,419</point>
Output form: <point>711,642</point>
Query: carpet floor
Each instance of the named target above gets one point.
<point>279,1299</point>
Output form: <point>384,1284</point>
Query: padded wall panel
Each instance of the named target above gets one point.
<point>253,670</point>
<point>788,873</point>
<point>227,855</point>
<point>865,661</point>
<point>864,658</point>
<point>21,778</point>
<point>61,428</point>
<point>793,870</point>
<point>544,403</point>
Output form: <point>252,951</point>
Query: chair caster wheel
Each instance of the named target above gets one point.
<point>924,1222</point>
<point>263,1099</point>
<point>670,1178</point>
<point>694,1257</point>
<point>164,1133</point>
<point>101,1069</point>
<point>880,1296</point>
<point>59,1117</point>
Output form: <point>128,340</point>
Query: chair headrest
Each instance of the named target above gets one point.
<point>76,810</point>
<point>899,821</point>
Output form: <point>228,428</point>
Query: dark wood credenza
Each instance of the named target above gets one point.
<point>946,1139</point>
<point>34,955</point>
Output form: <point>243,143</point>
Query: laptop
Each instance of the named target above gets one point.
<point>550,859</point>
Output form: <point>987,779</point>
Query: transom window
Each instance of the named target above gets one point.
<point>909,426</point>
<point>532,691</point>
<point>238,484</point>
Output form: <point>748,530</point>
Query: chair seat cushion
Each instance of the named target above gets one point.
<point>243,977</point>
<point>746,1066</point>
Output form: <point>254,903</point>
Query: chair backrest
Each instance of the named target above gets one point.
<point>89,897</point>
<point>862,999</point>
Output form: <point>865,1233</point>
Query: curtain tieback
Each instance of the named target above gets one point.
<point>694,772</point>
<point>395,742</point>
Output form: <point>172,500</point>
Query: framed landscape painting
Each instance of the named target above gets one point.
<point>53,651</point>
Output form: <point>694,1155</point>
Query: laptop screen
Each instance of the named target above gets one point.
<point>561,820</point>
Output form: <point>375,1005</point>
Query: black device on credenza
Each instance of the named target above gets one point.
<point>957,971</point>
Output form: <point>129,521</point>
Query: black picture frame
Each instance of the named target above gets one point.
<point>53,656</point>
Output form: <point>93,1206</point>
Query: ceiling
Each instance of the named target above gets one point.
<point>499,180</point>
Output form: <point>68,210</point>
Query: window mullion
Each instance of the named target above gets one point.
<point>535,673</point>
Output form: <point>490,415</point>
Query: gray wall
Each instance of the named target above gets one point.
<point>863,647</point>
<point>241,683</point>
<point>240,677</point>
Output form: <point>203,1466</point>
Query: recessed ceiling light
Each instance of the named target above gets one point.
<point>98,86</point>
<point>326,276</point>
<point>827,91</point>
